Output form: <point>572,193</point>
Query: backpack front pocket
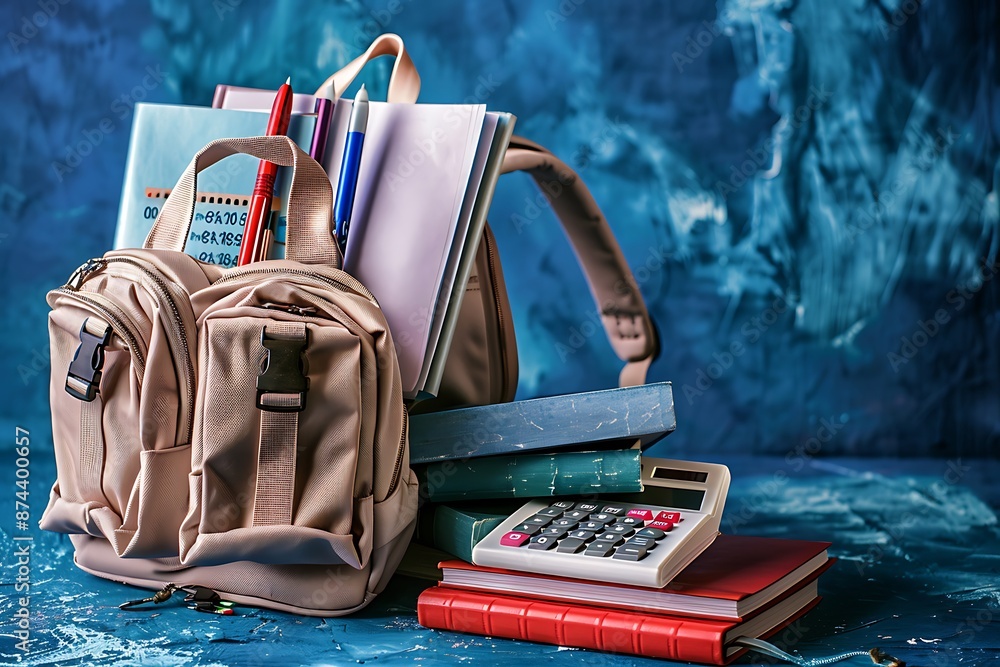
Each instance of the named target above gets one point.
<point>113,448</point>
<point>276,473</point>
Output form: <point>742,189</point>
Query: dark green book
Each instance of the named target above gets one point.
<point>533,475</point>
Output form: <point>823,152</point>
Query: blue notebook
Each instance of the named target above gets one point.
<point>164,139</point>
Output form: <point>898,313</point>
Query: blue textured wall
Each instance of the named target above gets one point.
<point>807,190</point>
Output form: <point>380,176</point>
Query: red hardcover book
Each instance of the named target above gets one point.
<point>733,578</point>
<point>655,636</point>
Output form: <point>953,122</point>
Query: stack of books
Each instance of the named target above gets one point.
<point>739,587</point>
<point>572,445</point>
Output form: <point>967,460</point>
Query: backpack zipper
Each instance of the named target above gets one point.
<point>350,284</point>
<point>399,454</point>
<point>179,336</point>
<point>294,309</point>
<point>177,333</point>
<point>120,323</point>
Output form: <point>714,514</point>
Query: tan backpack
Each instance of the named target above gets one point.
<point>238,429</point>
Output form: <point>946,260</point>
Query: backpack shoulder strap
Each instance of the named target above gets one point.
<point>612,285</point>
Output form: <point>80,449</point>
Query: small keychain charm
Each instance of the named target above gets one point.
<point>161,595</point>
<point>222,608</point>
<point>207,601</point>
<point>198,598</point>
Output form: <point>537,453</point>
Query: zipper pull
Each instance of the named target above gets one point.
<point>84,272</point>
<point>291,308</point>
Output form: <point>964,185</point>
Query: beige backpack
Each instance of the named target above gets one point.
<point>238,429</point>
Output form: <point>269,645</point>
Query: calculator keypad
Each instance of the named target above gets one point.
<point>593,529</point>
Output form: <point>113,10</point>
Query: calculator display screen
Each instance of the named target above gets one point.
<point>685,499</point>
<point>680,475</point>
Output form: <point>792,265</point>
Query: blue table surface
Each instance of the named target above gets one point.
<point>919,575</point>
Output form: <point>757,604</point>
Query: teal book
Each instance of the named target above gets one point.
<point>164,139</point>
<point>457,529</point>
<point>606,419</point>
<point>533,475</point>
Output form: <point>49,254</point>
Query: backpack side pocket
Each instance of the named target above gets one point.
<point>121,398</point>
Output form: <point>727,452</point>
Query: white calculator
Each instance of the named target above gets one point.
<point>642,539</point>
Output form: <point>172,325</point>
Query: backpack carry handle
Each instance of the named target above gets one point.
<point>310,200</point>
<point>612,285</point>
<point>404,82</point>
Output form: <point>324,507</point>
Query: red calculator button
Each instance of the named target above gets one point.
<point>672,517</point>
<point>514,539</point>
<point>645,515</point>
<point>662,525</point>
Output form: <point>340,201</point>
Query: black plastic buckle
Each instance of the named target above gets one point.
<point>282,373</point>
<point>84,377</point>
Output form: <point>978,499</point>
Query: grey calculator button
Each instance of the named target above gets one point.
<point>563,504</point>
<point>617,510</point>
<point>591,525</point>
<point>539,520</point>
<point>644,542</point>
<point>585,535</point>
<point>630,553</point>
<point>633,521</point>
<point>620,529</point>
<point>543,542</point>
<point>610,538</point>
<point>571,546</point>
<point>579,515</point>
<point>568,524</point>
<point>527,528</point>
<point>554,531</point>
<point>603,517</point>
<point>600,549</point>
<point>654,533</point>
<point>550,511</point>
<point>587,507</point>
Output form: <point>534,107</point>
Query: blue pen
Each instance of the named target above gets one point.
<point>349,167</point>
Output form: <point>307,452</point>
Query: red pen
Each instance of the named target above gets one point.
<point>256,235</point>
